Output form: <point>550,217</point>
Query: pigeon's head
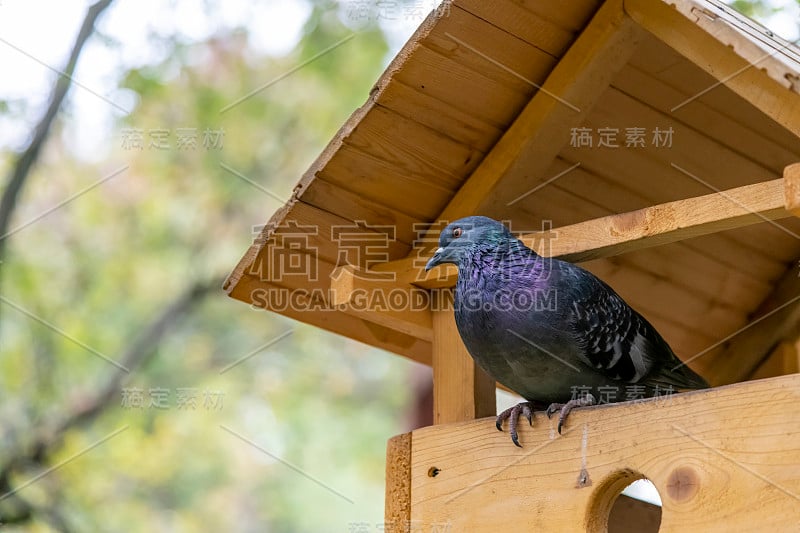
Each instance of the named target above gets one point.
<point>465,235</point>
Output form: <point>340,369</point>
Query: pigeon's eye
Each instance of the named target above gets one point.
<point>457,232</point>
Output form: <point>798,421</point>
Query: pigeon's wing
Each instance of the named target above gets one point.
<point>618,342</point>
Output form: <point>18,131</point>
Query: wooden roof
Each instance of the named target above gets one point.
<point>479,113</point>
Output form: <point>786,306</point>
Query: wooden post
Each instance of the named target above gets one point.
<point>461,390</point>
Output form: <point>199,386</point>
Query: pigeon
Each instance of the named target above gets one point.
<point>550,330</point>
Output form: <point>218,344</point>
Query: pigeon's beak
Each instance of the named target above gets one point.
<point>435,260</point>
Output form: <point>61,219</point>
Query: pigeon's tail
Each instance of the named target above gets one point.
<point>680,376</point>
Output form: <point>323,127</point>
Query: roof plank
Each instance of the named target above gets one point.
<point>542,128</point>
<point>334,199</point>
<point>699,33</point>
<point>463,88</point>
<point>525,24</point>
<point>413,148</point>
<point>732,132</point>
<point>490,51</point>
<point>421,107</point>
<point>362,173</point>
<point>327,236</point>
<point>571,15</point>
<point>673,71</point>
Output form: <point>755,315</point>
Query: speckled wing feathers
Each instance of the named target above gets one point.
<point>620,343</point>
<point>615,340</point>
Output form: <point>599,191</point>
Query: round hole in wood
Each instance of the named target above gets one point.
<point>639,509</point>
<point>433,471</point>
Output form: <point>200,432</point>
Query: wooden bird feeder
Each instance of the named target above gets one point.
<point>658,142</point>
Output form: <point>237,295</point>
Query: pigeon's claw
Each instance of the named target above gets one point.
<point>512,415</point>
<point>527,412</point>
<point>501,418</point>
<point>563,409</point>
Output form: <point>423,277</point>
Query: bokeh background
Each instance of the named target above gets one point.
<point>135,396</point>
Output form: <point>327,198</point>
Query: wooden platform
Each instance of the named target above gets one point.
<point>727,459</point>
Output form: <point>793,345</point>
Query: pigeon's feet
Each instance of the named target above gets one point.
<point>565,408</point>
<point>512,415</point>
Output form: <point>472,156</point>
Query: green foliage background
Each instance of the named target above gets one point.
<point>103,266</point>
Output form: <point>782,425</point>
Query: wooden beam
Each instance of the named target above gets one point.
<point>377,298</point>
<point>791,177</point>
<point>529,145</point>
<point>784,360</point>
<point>669,222</point>
<point>461,390</point>
<point>302,303</point>
<point>626,232</point>
<point>715,40</point>
<point>776,319</point>
<point>397,510</point>
<point>711,455</point>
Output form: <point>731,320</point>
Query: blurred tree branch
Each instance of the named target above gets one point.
<point>179,220</point>
<point>22,509</point>
<point>142,346</point>
<point>139,349</point>
<point>21,170</point>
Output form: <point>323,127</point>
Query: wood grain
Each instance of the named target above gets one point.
<point>397,510</point>
<point>413,148</point>
<point>791,176</point>
<point>712,455</point>
<point>699,38</point>
<point>380,301</point>
<point>474,92</point>
<point>315,229</point>
<point>490,51</point>
<point>543,126</point>
<point>777,318</point>
<point>783,360</point>
<point>524,23</point>
<point>459,125</point>
<point>363,174</point>
<point>733,132</point>
<point>306,301</point>
<point>674,71</point>
<point>336,200</point>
